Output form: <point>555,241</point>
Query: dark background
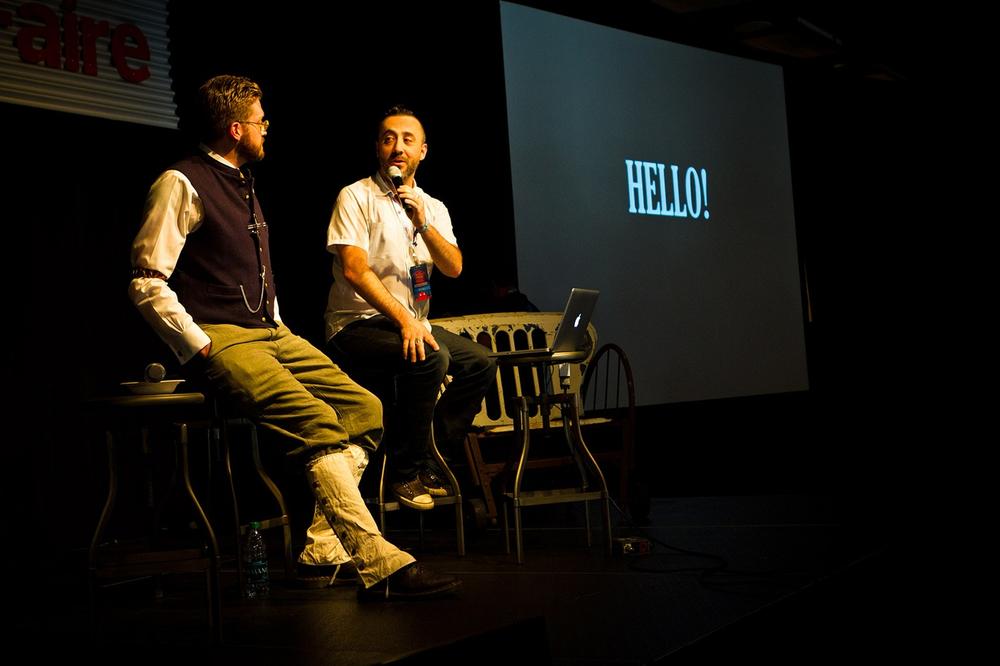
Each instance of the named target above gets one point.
<point>74,188</point>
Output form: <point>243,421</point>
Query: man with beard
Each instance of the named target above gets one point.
<point>202,278</point>
<point>386,234</point>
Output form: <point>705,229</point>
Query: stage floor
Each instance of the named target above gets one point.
<point>787,579</point>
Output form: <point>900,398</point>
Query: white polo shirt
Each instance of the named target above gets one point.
<point>367,216</point>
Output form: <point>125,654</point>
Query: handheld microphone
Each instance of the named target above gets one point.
<point>396,176</point>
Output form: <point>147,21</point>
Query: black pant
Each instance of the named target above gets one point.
<point>371,352</point>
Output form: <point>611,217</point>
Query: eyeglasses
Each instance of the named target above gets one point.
<point>264,124</point>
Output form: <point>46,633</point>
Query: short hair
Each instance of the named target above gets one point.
<point>223,100</point>
<point>398,110</point>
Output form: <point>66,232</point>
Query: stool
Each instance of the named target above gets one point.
<point>181,410</point>
<point>585,462</point>
<point>385,505</point>
<point>281,521</point>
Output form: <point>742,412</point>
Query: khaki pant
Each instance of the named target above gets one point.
<point>286,385</point>
<point>334,480</point>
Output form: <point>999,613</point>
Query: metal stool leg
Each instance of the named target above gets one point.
<point>102,523</point>
<point>214,585</point>
<point>453,480</point>
<point>519,539</point>
<point>524,428</point>
<point>381,493</point>
<point>227,466</point>
<point>589,457</point>
<point>283,519</point>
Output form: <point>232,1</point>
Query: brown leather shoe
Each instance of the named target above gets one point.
<point>413,582</point>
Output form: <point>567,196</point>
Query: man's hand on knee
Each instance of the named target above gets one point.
<point>416,339</point>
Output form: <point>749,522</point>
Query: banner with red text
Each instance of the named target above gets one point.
<point>107,59</point>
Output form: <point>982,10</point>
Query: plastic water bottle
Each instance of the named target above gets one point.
<point>256,575</point>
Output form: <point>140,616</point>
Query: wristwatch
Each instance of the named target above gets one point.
<point>423,229</point>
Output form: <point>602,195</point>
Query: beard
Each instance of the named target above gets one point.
<point>408,170</point>
<point>248,151</point>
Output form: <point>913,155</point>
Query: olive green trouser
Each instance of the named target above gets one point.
<point>286,385</point>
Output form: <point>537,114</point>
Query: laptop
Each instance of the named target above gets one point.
<point>571,334</point>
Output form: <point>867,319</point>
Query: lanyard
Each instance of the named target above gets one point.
<point>402,218</point>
